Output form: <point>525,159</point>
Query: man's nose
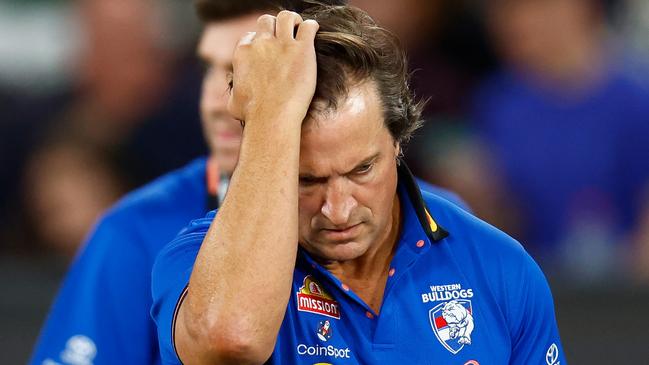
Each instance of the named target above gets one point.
<point>339,203</point>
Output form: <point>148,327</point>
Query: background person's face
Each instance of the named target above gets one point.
<point>348,179</point>
<point>533,35</point>
<point>222,132</point>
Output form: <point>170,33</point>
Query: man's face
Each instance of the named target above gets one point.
<point>222,132</point>
<point>348,178</point>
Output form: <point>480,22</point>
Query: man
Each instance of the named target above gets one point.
<point>101,315</point>
<point>324,222</point>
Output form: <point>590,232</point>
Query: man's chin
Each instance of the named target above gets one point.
<point>336,251</point>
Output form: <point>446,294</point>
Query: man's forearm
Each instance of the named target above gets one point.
<point>248,255</point>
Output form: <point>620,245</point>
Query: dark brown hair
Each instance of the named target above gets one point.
<point>352,48</point>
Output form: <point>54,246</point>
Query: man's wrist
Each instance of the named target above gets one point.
<point>285,115</point>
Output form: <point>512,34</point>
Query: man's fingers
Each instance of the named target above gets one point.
<point>286,22</point>
<point>307,30</point>
<point>266,25</point>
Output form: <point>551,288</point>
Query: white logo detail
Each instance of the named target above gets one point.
<point>460,322</point>
<point>79,350</point>
<point>552,355</point>
<point>49,362</point>
<point>329,351</point>
<point>440,293</point>
<point>452,324</point>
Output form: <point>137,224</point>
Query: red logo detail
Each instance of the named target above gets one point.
<point>313,299</point>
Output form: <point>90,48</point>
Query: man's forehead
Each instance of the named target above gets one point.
<point>350,133</point>
<point>361,101</point>
<point>219,38</point>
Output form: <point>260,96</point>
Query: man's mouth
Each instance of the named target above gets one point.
<point>342,234</point>
<point>228,135</point>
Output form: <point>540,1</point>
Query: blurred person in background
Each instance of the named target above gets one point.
<point>91,320</point>
<point>90,150</point>
<point>73,180</point>
<point>37,39</point>
<point>562,132</point>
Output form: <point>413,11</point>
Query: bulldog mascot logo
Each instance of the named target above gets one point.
<point>452,323</point>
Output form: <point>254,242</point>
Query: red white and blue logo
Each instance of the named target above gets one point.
<point>313,298</point>
<point>325,331</point>
<point>452,323</point>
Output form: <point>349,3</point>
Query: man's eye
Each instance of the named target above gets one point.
<point>305,181</point>
<point>364,169</point>
<point>230,78</point>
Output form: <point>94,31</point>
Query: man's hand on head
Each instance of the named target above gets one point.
<point>274,69</point>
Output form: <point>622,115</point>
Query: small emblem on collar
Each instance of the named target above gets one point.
<point>436,232</point>
<point>433,225</point>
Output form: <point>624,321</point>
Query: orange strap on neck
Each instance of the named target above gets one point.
<point>213,177</point>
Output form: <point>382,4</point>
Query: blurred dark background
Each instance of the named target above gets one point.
<point>538,116</point>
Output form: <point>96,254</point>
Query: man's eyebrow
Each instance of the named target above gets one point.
<point>316,178</point>
<point>312,178</point>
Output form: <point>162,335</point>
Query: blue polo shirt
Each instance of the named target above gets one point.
<point>463,294</point>
<point>101,314</point>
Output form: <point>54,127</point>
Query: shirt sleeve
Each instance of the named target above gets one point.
<point>170,277</point>
<point>100,313</point>
<point>535,335</point>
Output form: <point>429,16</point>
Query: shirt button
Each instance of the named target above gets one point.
<point>345,287</point>
<point>369,315</point>
<point>420,243</point>
<point>391,272</point>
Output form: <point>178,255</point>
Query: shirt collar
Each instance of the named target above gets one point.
<point>411,198</point>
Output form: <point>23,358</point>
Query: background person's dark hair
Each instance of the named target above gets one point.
<point>215,10</point>
<point>350,46</point>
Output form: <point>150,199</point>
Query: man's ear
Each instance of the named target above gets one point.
<point>397,150</point>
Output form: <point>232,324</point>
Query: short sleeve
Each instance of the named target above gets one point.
<point>535,335</point>
<point>100,313</point>
<point>170,277</point>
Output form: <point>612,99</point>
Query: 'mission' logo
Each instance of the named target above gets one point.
<point>312,298</point>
